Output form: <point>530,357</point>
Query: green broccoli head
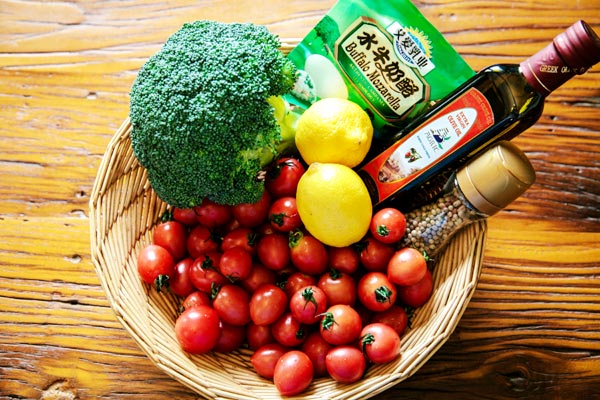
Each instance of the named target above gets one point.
<point>201,115</point>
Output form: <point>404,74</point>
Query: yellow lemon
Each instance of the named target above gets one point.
<point>334,131</point>
<point>334,204</point>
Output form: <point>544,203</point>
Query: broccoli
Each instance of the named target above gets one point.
<point>207,114</point>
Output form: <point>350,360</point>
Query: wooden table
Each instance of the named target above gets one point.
<point>532,329</point>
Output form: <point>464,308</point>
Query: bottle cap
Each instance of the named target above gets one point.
<point>571,53</point>
<point>496,178</point>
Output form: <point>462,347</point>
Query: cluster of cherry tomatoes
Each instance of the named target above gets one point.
<point>249,275</point>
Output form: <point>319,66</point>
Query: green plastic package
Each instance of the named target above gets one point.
<point>381,54</point>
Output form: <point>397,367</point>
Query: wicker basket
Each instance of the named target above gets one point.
<point>123,211</point>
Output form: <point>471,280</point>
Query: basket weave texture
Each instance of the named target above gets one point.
<point>123,212</point>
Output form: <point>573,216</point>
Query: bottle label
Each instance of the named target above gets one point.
<point>434,140</point>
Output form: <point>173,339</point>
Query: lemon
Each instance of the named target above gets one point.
<point>334,130</point>
<point>334,204</point>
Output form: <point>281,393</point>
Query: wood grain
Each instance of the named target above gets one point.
<point>532,329</point>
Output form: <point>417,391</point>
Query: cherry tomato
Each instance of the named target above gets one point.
<point>307,253</point>
<point>172,236</point>
<point>376,292</point>
<point>307,304</point>
<point>316,348</point>
<point>407,266</point>
<point>201,241</point>
<point>296,281</point>
<point>258,276</point>
<point>251,215</point>
<point>273,251</point>
<point>265,358</point>
<point>416,295</point>
<point>343,259</point>
<point>345,364</point>
<point>235,264</point>
<point>293,373</point>
<point>180,283</point>
<point>198,329</point>
<point>186,216</point>
<point>231,302</point>
<point>288,331</point>
<point>204,272</point>
<point>282,178</point>
<point>375,255</point>
<point>231,338</point>
<point>155,266</point>
<point>211,214</point>
<point>395,317</point>
<point>196,298</point>
<point>388,225</point>
<point>240,237</point>
<point>258,335</point>
<point>341,324</point>
<point>380,343</point>
<point>267,304</point>
<point>283,215</point>
<point>339,288</point>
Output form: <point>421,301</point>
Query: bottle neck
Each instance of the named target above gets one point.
<point>545,71</point>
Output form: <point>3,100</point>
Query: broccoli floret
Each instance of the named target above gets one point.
<point>203,116</point>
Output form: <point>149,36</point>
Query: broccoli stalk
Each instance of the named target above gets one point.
<point>207,113</point>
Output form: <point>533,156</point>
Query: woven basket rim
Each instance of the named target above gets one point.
<point>123,212</point>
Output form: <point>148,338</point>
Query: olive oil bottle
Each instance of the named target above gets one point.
<point>498,103</point>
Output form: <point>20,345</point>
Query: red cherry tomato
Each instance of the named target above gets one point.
<point>258,276</point>
<point>343,259</point>
<point>283,215</point>
<point>316,348</point>
<point>282,178</point>
<point>231,302</point>
<point>296,281</point>
<point>380,343</point>
<point>186,216</point>
<point>339,287</point>
<point>258,335</point>
<point>307,253</point>
<point>231,338</point>
<point>341,324</point>
<point>375,255</point>
<point>416,295</point>
<point>155,266</point>
<point>307,304</point>
<point>252,215</point>
<point>204,273</point>
<point>240,237</point>
<point>388,225</point>
<point>198,329</point>
<point>407,267</point>
<point>180,283</point>
<point>196,298</point>
<point>211,214</point>
<point>345,364</point>
<point>376,292</point>
<point>265,358</point>
<point>288,331</point>
<point>273,251</point>
<point>171,235</point>
<point>267,304</point>
<point>395,317</point>
<point>201,241</point>
<point>235,264</point>
<point>293,373</point>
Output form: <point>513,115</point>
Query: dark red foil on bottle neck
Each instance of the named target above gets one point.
<point>571,53</point>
